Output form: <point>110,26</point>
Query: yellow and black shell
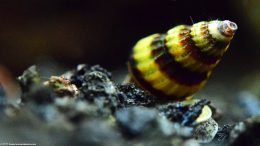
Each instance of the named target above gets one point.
<point>177,64</point>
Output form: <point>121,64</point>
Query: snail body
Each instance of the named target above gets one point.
<point>177,64</point>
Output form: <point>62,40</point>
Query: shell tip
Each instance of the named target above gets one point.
<point>228,27</point>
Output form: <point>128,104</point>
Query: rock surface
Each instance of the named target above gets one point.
<point>101,112</point>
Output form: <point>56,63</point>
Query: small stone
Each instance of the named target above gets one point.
<point>77,76</point>
<point>169,128</point>
<point>246,133</point>
<point>249,103</point>
<point>134,120</point>
<point>98,88</point>
<point>183,113</point>
<point>130,95</point>
<point>95,86</point>
<point>223,133</point>
<point>191,142</point>
<point>47,113</point>
<point>29,78</point>
<point>62,86</point>
<point>39,95</point>
<point>95,132</point>
<point>204,132</point>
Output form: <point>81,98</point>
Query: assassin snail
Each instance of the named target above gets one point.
<point>177,64</point>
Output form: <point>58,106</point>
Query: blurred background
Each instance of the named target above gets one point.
<point>70,32</point>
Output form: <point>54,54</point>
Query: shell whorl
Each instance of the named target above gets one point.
<point>177,64</point>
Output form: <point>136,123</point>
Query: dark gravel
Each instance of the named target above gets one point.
<point>100,112</point>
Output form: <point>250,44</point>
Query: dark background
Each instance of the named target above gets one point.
<point>103,32</point>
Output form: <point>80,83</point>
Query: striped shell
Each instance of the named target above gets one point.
<point>177,64</point>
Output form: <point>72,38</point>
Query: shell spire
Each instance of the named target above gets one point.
<point>177,64</point>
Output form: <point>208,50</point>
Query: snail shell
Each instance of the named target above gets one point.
<point>177,64</point>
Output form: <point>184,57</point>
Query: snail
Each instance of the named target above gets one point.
<point>175,65</point>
